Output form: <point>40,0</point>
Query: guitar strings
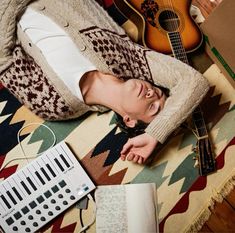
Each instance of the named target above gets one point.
<point>175,27</point>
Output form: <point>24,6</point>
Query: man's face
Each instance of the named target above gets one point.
<point>141,100</point>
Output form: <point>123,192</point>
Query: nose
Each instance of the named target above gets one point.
<point>150,93</point>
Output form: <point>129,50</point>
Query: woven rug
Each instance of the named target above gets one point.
<point>183,196</point>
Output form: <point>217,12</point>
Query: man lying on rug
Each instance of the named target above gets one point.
<point>70,57</point>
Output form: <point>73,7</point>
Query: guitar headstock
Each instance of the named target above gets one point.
<point>205,157</point>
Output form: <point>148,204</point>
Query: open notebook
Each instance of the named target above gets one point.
<point>128,208</point>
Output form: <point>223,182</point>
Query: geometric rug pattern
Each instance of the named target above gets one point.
<point>97,142</point>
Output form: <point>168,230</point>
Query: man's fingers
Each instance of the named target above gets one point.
<point>140,160</point>
<point>136,158</point>
<point>123,157</point>
<point>130,156</point>
<point>126,147</point>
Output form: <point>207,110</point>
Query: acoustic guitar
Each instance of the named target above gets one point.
<point>162,22</point>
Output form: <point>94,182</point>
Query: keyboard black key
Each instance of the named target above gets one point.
<point>45,174</point>
<point>64,160</point>
<point>59,164</point>
<point>11,197</point>
<point>25,187</point>
<point>39,177</point>
<point>5,201</point>
<point>31,183</point>
<point>51,170</point>
<point>17,193</point>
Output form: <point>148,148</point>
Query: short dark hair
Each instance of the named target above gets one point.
<point>138,129</point>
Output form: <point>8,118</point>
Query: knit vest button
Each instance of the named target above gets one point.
<point>41,7</point>
<point>65,24</point>
<point>82,47</point>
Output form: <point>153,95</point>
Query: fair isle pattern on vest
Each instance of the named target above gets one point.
<point>124,58</point>
<point>27,82</point>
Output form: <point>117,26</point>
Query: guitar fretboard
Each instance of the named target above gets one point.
<point>177,46</point>
<point>199,122</point>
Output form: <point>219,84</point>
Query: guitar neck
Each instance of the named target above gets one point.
<point>205,155</point>
<point>179,53</point>
<point>199,123</point>
<point>177,46</point>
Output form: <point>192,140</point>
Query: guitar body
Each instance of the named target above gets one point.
<point>161,17</point>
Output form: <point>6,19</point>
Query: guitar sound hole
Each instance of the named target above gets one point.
<point>169,21</point>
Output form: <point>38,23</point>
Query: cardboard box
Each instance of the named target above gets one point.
<point>219,34</point>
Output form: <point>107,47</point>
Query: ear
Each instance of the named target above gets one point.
<point>129,122</point>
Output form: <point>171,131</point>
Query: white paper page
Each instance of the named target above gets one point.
<point>141,208</point>
<point>126,208</point>
<point>111,209</point>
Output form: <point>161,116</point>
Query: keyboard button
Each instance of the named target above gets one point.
<point>25,210</point>
<point>47,194</point>
<point>15,228</point>
<point>35,224</point>
<point>62,184</point>
<point>43,219</point>
<point>65,202</point>
<point>38,212</point>
<point>55,189</point>
<point>27,229</point>
<point>9,221</point>
<point>72,197</point>
<point>50,213</point>
<point>17,215</point>
<point>23,223</point>
<point>40,199</point>
<point>32,204</point>
<point>67,190</point>
<point>53,201</point>
<point>57,208</point>
<point>45,206</point>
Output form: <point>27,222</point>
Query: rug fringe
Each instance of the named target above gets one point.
<point>217,197</point>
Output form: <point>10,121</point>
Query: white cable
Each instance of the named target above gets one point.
<point>18,136</point>
<point>19,142</point>
<point>93,216</point>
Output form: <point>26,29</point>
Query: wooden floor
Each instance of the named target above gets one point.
<point>223,216</point>
<point>222,219</point>
<point>206,6</point>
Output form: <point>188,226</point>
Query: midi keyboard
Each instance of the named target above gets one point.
<point>42,189</point>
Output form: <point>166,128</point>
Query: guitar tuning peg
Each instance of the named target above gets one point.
<point>195,149</point>
<point>196,165</point>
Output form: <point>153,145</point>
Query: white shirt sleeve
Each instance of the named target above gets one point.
<point>59,50</point>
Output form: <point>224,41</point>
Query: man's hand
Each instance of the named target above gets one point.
<point>139,148</point>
